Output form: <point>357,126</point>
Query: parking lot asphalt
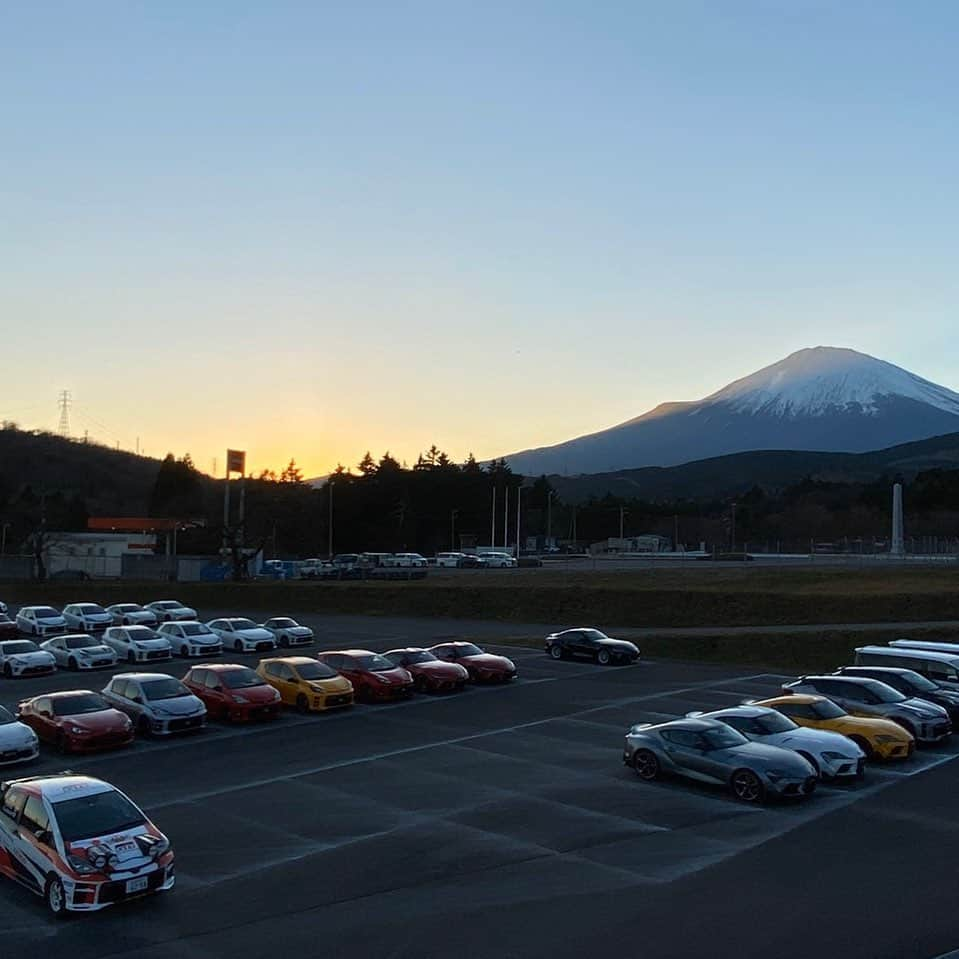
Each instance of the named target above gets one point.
<point>500,822</point>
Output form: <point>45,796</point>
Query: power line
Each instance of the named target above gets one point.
<point>64,402</point>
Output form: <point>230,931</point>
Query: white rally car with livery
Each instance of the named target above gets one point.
<point>80,843</point>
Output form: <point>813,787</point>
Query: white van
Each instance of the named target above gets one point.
<point>449,560</point>
<point>498,560</point>
<point>941,666</point>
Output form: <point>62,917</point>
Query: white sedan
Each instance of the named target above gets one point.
<point>288,632</point>
<point>243,635</point>
<point>137,644</point>
<point>132,614</point>
<point>18,742</point>
<point>40,621</point>
<point>87,617</point>
<point>191,639</point>
<point>499,560</point>
<point>78,651</point>
<point>171,610</point>
<point>22,657</point>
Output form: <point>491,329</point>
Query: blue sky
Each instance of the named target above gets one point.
<point>308,229</point>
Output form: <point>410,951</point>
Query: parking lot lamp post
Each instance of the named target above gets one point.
<point>329,530</point>
<point>453,514</point>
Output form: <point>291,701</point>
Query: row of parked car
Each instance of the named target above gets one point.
<point>822,727</point>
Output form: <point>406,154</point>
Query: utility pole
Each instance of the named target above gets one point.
<point>506,517</point>
<point>519,500</point>
<point>329,528</point>
<point>64,401</point>
<point>675,532</point>
<point>622,513</point>
<point>732,530</point>
<point>549,519</point>
<point>492,532</point>
<point>453,515</point>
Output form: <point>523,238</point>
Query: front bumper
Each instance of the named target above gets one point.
<point>101,662</point>
<point>22,670</point>
<point>153,655</point>
<point>894,751</point>
<point>489,676</point>
<point>842,768</point>
<point>9,757</point>
<point>200,651</point>
<point>85,896</point>
<point>791,788</point>
<point>935,732</point>
<point>94,744</point>
<point>253,713</point>
<point>176,725</point>
<point>331,701</point>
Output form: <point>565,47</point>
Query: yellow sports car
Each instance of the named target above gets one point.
<point>306,684</point>
<point>877,738</point>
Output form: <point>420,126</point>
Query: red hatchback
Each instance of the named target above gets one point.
<point>482,667</point>
<point>431,675</point>
<point>234,692</point>
<point>77,721</point>
<point>374,677</point>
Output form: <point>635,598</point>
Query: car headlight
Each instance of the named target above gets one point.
<point>241,699</point>
<point>78,730</point>
<point>883,738</point>
<point>774,775</point>
<point>81,866</point>
<point>159,848</point>
<point>835,757</point>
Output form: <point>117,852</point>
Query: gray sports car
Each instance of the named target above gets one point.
<point>713,752</point>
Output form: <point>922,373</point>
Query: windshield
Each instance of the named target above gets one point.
<point>6,717</point>
<point>168,604</point>
<point>240,678</point>
<point>90,608</point>
<point>827,710</point>
<point>139,633</point>
<point>126,607</point>
<point>315,671</point>
<point>774,723</point>
<point>915,682</point>
<point>45,612</point>
<point>23,646</point>
<point>101,815</point>
<point>243,624</point>
<point>168,688</point>
<point>80,642</point>
<point>886,694</point>
<point>467,649</point>
<point>282,623</point>
<point>594,634</point>
<point>374,663</point>
<point>79,704</point>
<point>196,629</point>
<point>723,738</point>
<point>421,657</point>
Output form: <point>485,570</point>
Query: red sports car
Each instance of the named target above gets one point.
<point>482,667</point>
<point>233,692</point>
<point>373,676</point>
<point>76,721</point>
<point>431,675</point>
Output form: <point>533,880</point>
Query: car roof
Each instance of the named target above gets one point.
<point>749,712</point>
<point>143,677</point>
<point>697,725</point>
<point>290,660</point>
<point>801,699</point>
<point>407,649</point>
<point>872,669</point>
<point>930,655</point>
<point>348,652</point>
<point>74,636</point>
<point>60,693</point>
<point>59,788</point>
<point>455,642</point>
<point>857,680</point>
<point>216,667</point>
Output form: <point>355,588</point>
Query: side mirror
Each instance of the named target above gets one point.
<point>44,837</point>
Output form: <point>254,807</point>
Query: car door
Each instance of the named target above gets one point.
<point>216,698</point>
<point>284,681</point>
<point>20,863</point>
<point>859,701</point>
<point>684,750</point>
<point>41,720</point>
<point>36,837</point>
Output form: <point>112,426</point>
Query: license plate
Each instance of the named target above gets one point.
<point>138,885</point>
<point>126,847</point>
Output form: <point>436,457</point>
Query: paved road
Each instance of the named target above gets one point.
<point>500,822</point>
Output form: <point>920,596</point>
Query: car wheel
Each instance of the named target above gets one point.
<point>556,651</point>
<point>812,762</point>
<point>185,651</point>
<point>603,657</point>
<point>646,764</point>
<point>865,746</point>
<point>302,706</point>
<point>7,671</point>
<point>55,896</point>
<point>72,664</point>
<point>747,786</point>
<point>422,684</point>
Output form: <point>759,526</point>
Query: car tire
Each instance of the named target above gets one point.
<point>865,746</point>
<point>747,787</point>
<point>603,657</point>
<point>185,652</point>
<point>557,652</point>
<point>646,765</point>
<point>812,762</point>
<point>7,671</point>
<point>422,684</point>
<point>55,897</point>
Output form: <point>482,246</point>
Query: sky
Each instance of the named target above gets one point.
<point>308,229</point>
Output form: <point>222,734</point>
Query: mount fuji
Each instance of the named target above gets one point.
<point>826,398</point>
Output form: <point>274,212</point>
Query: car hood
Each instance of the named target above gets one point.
<point>488,661</point>
<point>873,726</point>
<point>767,757</point>
<point>51,621</point>
<point>129,847</point>
<point>814,740</point>
<point>38,657</point>
<point>104,721</point>
<point>177,705</point>
<point>151,644</point>
<point>335,684</point>
<point>139,615</point>
<point>395,677</point>
<point>256,695</point>
<point>439,668</point>
<point>622,644</point>
<point>94,617</point>
<point>16,736</point>
<point>98,650</point>
<point>922,708</point>
<point>258,634</point>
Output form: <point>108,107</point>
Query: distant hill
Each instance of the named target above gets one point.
<point>111,482</point>
<point>816,399</point>
<point>771,469</point>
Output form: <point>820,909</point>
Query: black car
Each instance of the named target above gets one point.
<point>909,683</point>
<point>592,644</point>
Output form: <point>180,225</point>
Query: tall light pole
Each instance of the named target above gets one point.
<point>329,530</point>
<point>622,513</point>
<point>505,517</point>
<point>492,531</point>
<point>453,515</point>
<point>519,500</point>
<point>549,518</point>
<point>3,538</point>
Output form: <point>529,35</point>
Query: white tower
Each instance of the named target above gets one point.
<point>898,545</point>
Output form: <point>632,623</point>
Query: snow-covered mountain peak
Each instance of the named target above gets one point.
<point>813,382</point>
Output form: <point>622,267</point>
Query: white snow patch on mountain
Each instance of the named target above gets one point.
<point>813,382</point>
